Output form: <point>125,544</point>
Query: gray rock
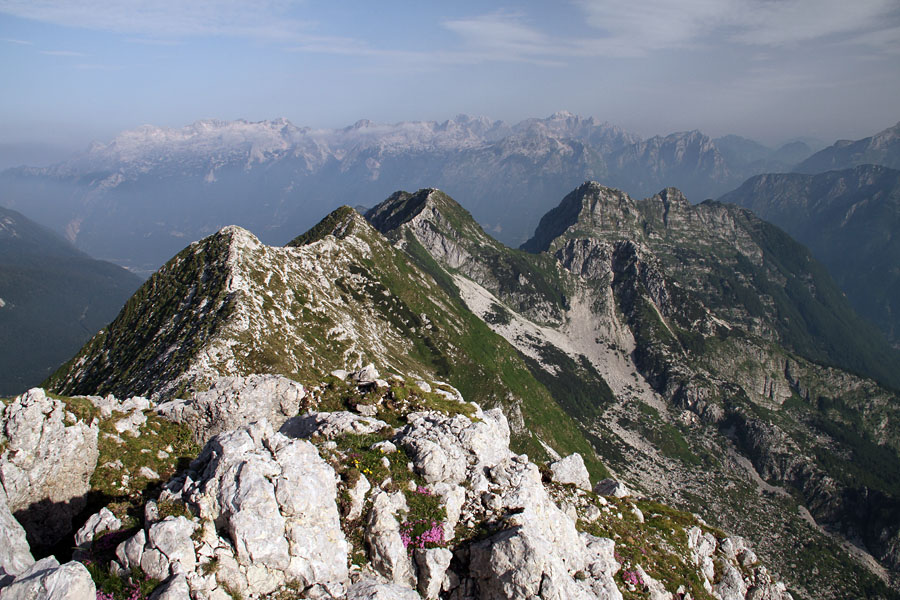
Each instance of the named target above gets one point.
<point>46,466</point>
<point>130,551</point>
<point>731,586</point>
<point>432,570</point>
<point>131,424</point>
<point>387,552</point>
<point>330,425</point>
<point>48,580</point>
<point>232,402</point>
<point>15,555</point>
<point>172,537</point>
<point>110,404</point>
<point>444,447</point>
<point>357,495</point>
<point>148,473</point>
<point>571,469</point>
<point>539,550</point>
<point>655,589</point>
<point>611,487</point>
<point>175,588</point>
<point>368,589</point>
<point>98,523</point>
<point>368,374</point>
<point>276,498</point>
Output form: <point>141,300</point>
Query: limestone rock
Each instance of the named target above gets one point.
<point>232,402</point>
<point>98,523</point>
<point>571,469</point>
<point>109,404</point>
<point>330,425</point>
<point>369,589</point>
<point>48,580</point>
<point>732,585</point>
<point>443,447</point>
<point>15,555</point>
<point>175,588</point>
<point>275,500</point>
<point>540,549</point>
<point>432,569</point>
<point>611,487</point>
<point>357,495</point>
<point>387,551</point>
<point>46,466</point>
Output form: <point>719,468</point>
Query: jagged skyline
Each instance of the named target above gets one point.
<point>769,71</point>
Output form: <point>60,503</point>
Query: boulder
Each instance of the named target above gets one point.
<point>330,425</point>
<point>443,447</point>
<point>387,552</point>
<point>48,580</point>
<point>15,555</point>
<point>233,402</point>
<point>611,487</point>
<point>369,589</point>
<point>571,470</point>
<point>432,568</point>
<point>274,501</point>
<point>98,523</point>
<point>47,465</point>
<point>540,549</point>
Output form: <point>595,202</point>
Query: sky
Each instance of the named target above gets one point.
<point>73,71</point>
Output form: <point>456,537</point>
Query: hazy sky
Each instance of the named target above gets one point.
<point>73,70</point>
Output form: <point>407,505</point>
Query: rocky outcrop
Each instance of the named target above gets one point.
<point>571,470</point>
<point>233,402</point>
<point>48,580</point>
<point>15,555</point>
<point>330,425</point>
<point>46,465</point>
<point>445,449</point>
<point>265,514</point>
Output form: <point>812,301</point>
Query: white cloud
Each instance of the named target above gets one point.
<point>19,42</point>
<point>655,24</point>
<point>658,24</point>
<point>505,36</point>
<point>265,19</point>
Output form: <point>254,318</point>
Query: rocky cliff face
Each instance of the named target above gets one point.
<point>688,346</point>
<point>848,219</point>
<point>435,506</point>
<point>690,324</point>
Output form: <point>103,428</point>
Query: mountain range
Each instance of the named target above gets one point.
<point>849,219</point>
<point>883,148</point>
<point>694,351</point>
<point>137,199</point>
<point>53,298</point>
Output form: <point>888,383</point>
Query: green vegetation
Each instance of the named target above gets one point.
<point>663,435</point>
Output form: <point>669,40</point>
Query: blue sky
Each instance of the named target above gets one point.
<point>74,71</point>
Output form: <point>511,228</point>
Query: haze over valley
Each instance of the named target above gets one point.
<point>274,324</point>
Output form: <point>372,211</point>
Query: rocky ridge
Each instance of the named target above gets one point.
<point>848,219</point>
<point>662,289</point>
<point>232,306</point>
<point>883,149</point>
<point>670,335</point>
<point>447,511</point>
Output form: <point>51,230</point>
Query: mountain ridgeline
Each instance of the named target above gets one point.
<point>137,199</point>
<point>53,298</point>
<point>695,351</point>
<point>849,219</point>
